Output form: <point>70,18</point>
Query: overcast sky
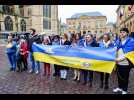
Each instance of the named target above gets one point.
<point>66,11</point>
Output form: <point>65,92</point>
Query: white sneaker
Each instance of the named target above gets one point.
<point>124,92</point>
<point>37,72</point>
<point>117,90</point>
<point>30,71</point>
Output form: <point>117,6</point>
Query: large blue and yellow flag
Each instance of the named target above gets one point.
<point>93,58</point>
<point>130,56</point>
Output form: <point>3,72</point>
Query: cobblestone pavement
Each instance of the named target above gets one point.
<point>25,83</point>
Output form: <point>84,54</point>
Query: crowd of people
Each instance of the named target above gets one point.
<point>19,52</point>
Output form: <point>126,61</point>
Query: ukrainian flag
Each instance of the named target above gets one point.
<point>93,58</point>
<point>130,56</point>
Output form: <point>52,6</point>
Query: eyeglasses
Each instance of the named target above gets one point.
<point>122,31</point>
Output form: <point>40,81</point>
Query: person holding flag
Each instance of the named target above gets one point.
<point>125,46</point>
<point>56,41</point>
<point>47,66</point>
<point>64,69</point>
<point>105,43</point>
<point>32,38</point>
<point>89,41</point>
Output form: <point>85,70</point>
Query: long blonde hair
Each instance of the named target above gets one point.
<point>46,38</point>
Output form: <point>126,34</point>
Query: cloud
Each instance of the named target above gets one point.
<point>66,11</point>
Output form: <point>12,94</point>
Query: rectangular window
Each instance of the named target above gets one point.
<point>45,24</point>
<point>22,11</point>
<point>29,12</point>
<point>49,11</point>
<point>46,11</point>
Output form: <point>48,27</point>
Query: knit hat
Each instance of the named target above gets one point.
<point>124,29</point>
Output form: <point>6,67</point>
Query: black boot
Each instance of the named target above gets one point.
<point>106,81</point>
<point>21,68</point>
<point>18,70</point>
<point>25,68</point>
<point>101,85</point>
<point>106,86</point>
<point>90,85</point>
<point>84,83</point>
<point>11,69</point>
<point>54,74</point>
<point>78,81</point>
<point>14,69</point>
<point>75,79</point>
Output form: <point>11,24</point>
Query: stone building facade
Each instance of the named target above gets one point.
<point>12,18</point>
<point>125,17</point>
<point>44,18</point>
<point>93,22</point>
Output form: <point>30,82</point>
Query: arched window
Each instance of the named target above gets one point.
<point>8,23</point>
<point>8,9</point>
<point>23,25</point>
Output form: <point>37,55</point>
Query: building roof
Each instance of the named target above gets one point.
<point>77,15</point>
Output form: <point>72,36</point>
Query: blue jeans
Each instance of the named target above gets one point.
<point>12,60</point>
<point>37,64</point>
<point>31,58</point>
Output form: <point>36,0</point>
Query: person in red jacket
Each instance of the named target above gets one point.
<point>24,52</point>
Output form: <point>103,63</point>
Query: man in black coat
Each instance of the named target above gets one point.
<point>33,37</point>
<point>88,41</point>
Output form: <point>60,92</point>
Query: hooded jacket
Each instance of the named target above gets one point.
<point>128,46</point>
